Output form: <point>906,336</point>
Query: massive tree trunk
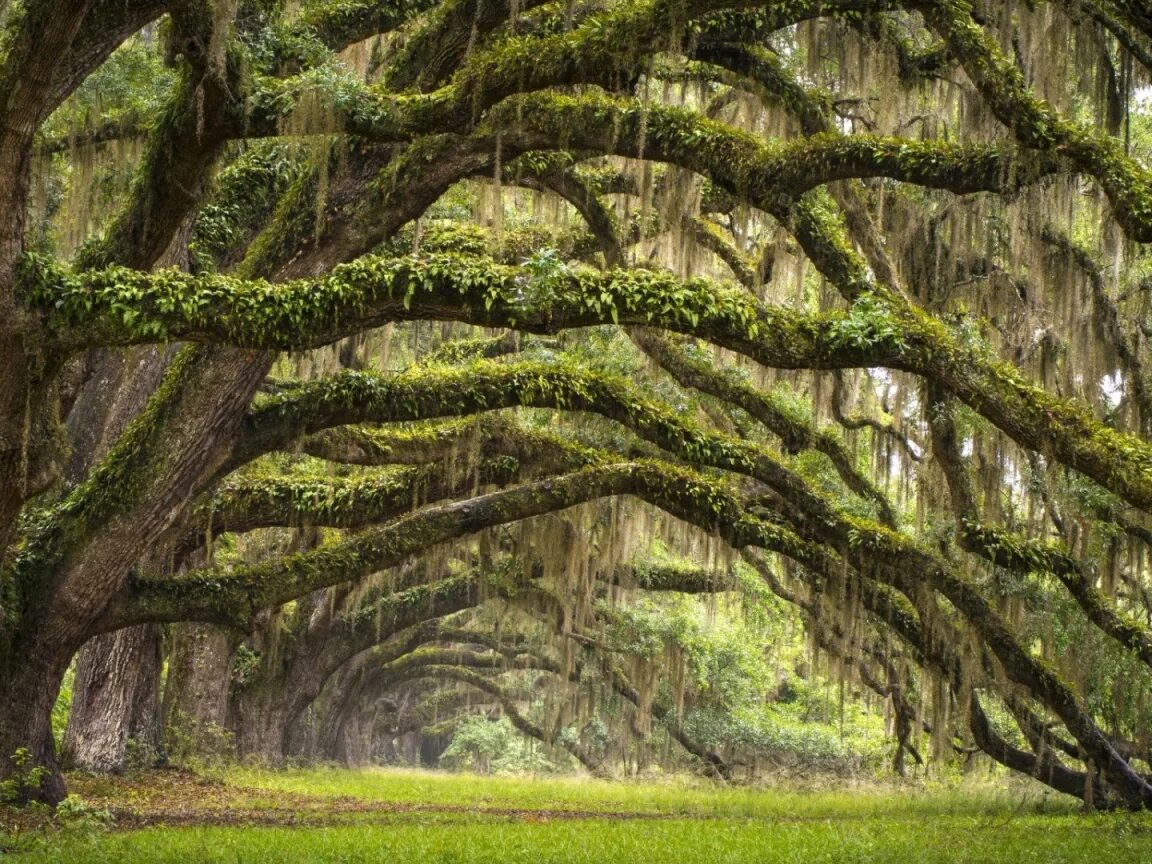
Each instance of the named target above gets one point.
<point>191,424</point>
<point>196,693</point>
<point>345,733</point>
<point>269,714</point>
<point>31,681</point>
<point>354,745</point>
<point>40,66</point>
<point>261,719</point>
<point>263,703</point>
<point>62,591</point>
<point>199,672</point>
<point>114,716</point>
<point>115,719</point>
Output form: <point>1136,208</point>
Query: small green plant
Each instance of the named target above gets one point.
<point>24,781</point>
<point>486,746</point>
<point>76,816</point>
<point>477,742</point>
<point>245,669</point>
<point>547,271</point>
<point>62,708</point>
<point>869,322</point>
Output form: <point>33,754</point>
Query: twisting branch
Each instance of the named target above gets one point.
<point>547,605</point>
<point>1020,554</point>
<point>795,433</point>
<point>1035,124</point>
<point>373,291</point>
<point>1109,315</point>
<point>861,421</point>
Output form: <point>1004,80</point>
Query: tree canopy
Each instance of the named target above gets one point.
<point>422,333</point>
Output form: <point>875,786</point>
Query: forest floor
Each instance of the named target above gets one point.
<point>330,816</point>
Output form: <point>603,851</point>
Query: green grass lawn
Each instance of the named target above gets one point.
<point>676,796</point>
<point>407,816</point>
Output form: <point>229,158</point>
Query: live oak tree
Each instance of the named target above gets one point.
<point>886,262</point>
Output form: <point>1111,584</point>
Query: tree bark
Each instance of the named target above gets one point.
<point>342,732</point>
<point>115,713</point>
<point>31,678</point>
<point>119,388</point>
<point>199,672</point>
<point>261,719</point>
<point>115,718</point>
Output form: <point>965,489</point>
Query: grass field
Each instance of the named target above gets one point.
<point>323,816</point>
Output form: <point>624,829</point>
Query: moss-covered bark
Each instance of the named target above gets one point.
<point>1126,182</point>
<point>233,597</point>
<point>372,292</point>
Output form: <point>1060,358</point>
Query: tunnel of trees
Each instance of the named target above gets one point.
<point>373,364</point>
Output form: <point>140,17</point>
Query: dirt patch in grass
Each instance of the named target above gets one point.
<point>180,798</point>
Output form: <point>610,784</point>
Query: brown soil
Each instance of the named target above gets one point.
<point>180,798</point>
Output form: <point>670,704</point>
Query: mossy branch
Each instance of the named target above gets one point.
<point>233,595</point>
<point>1021,554</point>
<point>119,306</point>
<point>508,704</point>
<point>246,504</point>
<point>487,436</point>
<point>1126,182</point>
<point>795,433</point>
